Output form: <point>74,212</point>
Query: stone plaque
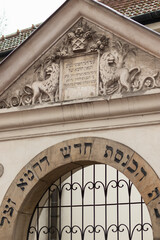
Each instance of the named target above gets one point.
<point>79,77</point>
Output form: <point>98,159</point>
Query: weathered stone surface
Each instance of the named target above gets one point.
<point>24,187</point>
<point>80,77</point>
<point>8,214</point>
<point>1,170</point>
<point>143,176</point>
<point>88,61</point>
<point>154,209</point>
<point>112,153</point>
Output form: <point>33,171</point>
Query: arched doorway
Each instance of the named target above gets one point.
<point>48,166</point>
<point>94,202</point>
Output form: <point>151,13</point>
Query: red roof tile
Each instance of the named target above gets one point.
<point>133,8</point>
<point>129,8</point>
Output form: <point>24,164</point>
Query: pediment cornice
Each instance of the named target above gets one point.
<point>80,116</point>
<point>124,64</point>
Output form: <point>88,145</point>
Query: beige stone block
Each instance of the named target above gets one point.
<point>54,175</point>
<point>154,209</point>
<point>143,177</point>
<point>72,151</point>
<point>8,215</point>
<point>16,228</point>
<point>22,184</point>
<point>44,162</point>
<point>56,160</point>
<point>32,198</point>
<point>21,226</point>
<point>26,189</point>
<point>81,149</point>
<point>112,153</point>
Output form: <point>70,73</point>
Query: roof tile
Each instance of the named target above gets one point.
<point>11,41</point>
<point>129,8</point>
<point>132,8</point>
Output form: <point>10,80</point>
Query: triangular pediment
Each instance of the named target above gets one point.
<point>86,60</point>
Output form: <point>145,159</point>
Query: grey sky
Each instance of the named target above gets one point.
<point>22,14</point>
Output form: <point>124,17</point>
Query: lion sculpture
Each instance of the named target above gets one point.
<point>48,86</point>
<point>114,75</point>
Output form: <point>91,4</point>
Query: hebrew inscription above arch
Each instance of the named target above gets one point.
<point>32,181</point>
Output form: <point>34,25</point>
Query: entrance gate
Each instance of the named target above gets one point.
<point>47,167</point>
<point>95,202</point>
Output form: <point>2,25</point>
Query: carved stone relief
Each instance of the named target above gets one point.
<point>79,77</point>
<point>1,170</point>
<point>118,75</point>
<point>86,62</point>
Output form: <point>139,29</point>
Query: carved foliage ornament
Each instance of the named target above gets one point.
<point>97,60</point>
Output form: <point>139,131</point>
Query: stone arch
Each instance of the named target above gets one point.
<point>33,180</point>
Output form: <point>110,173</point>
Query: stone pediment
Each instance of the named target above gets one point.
<point>87,62</point>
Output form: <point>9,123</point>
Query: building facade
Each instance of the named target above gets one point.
<point>82,90</point>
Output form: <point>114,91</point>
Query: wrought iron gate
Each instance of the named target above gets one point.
<point>93,203</point>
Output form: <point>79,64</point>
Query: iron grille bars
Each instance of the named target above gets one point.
<point>95,202</point>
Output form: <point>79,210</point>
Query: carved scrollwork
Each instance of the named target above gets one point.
<point>26,97</point>
<point>150,82</point>
<point>4,104</point>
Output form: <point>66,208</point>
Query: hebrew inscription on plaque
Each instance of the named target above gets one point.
<point>79,77</point>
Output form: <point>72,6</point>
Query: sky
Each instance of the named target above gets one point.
<point>20,14</point>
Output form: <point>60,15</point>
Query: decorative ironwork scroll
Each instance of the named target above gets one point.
<point>96,202</point>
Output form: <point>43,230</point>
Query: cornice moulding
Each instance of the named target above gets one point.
<point>46,115</point>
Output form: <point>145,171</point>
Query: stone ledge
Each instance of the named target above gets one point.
<point>45,115</point>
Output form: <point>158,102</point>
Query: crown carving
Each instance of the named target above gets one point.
<point>79,39</point>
